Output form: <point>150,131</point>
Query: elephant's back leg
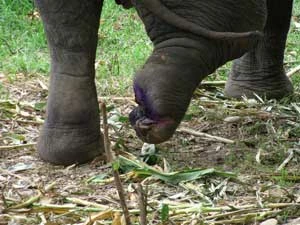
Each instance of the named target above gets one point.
<point>71,131</point>
<point>261,70</point>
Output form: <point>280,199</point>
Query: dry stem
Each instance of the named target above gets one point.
<point>286,161</point>
<point>87,203</point>
<point>115,171</point>
<point>293,71</point>
<point>142,204</point>
<point>100,216</point>
<point>208,136</point>
<point>33,199</point>
<point>213,83</point>
<point>15,147</point>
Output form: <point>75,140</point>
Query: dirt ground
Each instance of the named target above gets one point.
<point>264,154</point>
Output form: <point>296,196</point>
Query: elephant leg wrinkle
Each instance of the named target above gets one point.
<point>71,132</point>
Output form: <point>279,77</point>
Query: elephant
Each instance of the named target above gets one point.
<point>191,39</point>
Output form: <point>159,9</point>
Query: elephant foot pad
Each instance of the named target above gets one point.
<point>69,146</point>
<point>269,89</point>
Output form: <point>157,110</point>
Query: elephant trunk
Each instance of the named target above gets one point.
<point>163,89</point>
<point>180,60</point>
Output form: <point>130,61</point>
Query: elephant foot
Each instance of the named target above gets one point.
<point>261,70</point>
<point>71,132</point>
<point>271,87</point>
<point>66,146</point>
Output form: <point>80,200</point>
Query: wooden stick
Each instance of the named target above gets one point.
<point>23,121</point>
<point>293,71</point>
<point>286,161</point>
<point>227,214</point>
<point>26,203</point>
<point>120,99</point>
<point>86,203</point>
<point>208,136</point>
<point>41,207</point>
<point>99,216</point>
<point>142,204</point>
<point>16,176</point>
<point>16,147</point>
<point>33,199</point>
<point>106,137</point>
<point>116,98</point>
<point>213,83</point>
<point>115,171</point>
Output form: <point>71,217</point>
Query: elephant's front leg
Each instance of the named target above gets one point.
<point>261,70</point>
<point>71,131</point>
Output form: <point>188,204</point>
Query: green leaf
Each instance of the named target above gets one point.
<point>110,108</point>
<point>123,119</point>
<point>97,179</point>
<point>18,137</point>
<point>40,106</point>
<point>7,104</point>
<point>116,165</point>
<point>142,169</point>
<point>164,213</point>
<point>188,117</point>
<point>8,108</point>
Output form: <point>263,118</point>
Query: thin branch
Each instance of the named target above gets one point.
<point>23,121</point>
<point>99,216</point>
<point>27,203</point>
<point>213,83</point>
<point>117,99</point>
<point>106,135</point>
<point>115,171</point>
<point>204,135</point>
<point>65,208</point>
<point>293,71</point>
<point>16,176</point>
<point>286,161</point>
<point>16,147</point>
<point>86,203</point>
<point>142,198</point>
<point>33,199</point>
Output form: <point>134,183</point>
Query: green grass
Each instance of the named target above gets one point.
<point>122,48</point>
<point>292,56</point>
<point>23,47</point>
<point>123,44</point>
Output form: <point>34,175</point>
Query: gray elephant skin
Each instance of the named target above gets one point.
<point>191,39</point>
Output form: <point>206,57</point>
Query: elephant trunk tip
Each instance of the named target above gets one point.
<point>149,130</point>
<point>149,126</point>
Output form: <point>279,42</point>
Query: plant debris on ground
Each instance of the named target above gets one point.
<point>192,179</point>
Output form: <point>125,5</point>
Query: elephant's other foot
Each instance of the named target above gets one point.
<point>275,86</point>
<point>66,146</point>
<point>261,70</point>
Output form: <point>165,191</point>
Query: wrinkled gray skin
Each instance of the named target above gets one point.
<point>164,86</point>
